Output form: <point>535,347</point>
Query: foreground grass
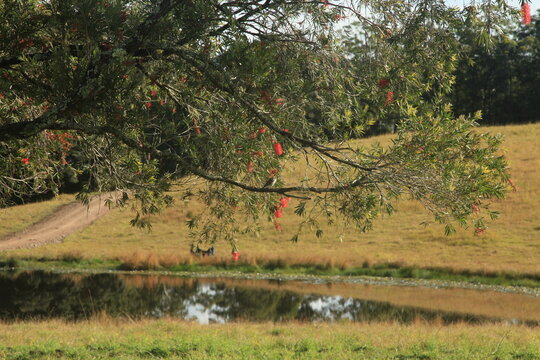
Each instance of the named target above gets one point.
<point>147,339</point>
<point>509,248</point>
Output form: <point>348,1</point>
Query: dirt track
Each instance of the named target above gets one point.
<point>55,227</point>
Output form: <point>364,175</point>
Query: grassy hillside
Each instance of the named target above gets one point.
<point>17,218</point>
<point>169,339</point>
<point>511,244</point>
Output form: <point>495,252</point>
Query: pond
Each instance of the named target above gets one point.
<point>42,295</point>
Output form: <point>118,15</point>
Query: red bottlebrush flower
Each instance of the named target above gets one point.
<point>262,130</point>
<point>148,105</point>
<point>277,226</point>
<point>278,149</point>
<point>286,130</point>
<point>284,202</point>
<point>512,184</point>
<point>249,167</point>
<point>235,255</point>
<point>389,97</point>
<point>25,161</point>
<point>384,83</point>
<point>161,102</point>
<point>525,13</point>
<point>272,172</point>
<point>479,231</point>
<point>278,213</point>
<point>153,93</point>
<point>279,101</point>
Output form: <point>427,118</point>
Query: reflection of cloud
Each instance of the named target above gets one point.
<point>197,311</point>
<point>202,315</point>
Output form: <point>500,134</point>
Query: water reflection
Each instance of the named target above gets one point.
<point>40,295</point>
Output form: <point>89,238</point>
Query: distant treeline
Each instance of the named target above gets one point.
<point>501,80</point>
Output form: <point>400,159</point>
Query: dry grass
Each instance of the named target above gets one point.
<point>17,218</point>
<point>511,244</point>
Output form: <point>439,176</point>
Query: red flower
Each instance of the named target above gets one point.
<point>512,184</point>
<point>197,130</point>
<point>250,165</point>
<point>277,225</point>
<point>183,79</point>
<point>479,231</point>
<point>284,202</point>
<point>1,96</point>
<point>25,161</point>
<point>279,101</point>
<point>258,153</point>
<point>384,83</point>
<point>278,213</point>
<point>278,149</point>
<point>161,102</point>
<point>174,110</point>
<point>235,255</point>
<point>262,130</point>
<point>148,105</point>
<point>525,13</point>
<point>252,135</point>
<point>153,93</point>
<point>389,97</point>
<point>272,172</point>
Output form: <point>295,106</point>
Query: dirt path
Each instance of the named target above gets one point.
<point>55,227</point>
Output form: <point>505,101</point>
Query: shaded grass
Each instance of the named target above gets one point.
<point>509,248</point>
<point>170,339</point>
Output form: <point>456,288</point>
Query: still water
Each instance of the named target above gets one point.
<point>42,295</point>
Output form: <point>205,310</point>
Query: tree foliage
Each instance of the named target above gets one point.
<point>499,78</point>
<point>138,96</point>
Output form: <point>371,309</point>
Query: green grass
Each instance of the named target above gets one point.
<point>170,339</point>
<point>509,250</point>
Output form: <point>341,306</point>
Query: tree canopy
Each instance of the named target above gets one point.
<point>139,96</point>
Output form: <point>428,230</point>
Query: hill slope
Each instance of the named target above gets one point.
<point>512,243</point>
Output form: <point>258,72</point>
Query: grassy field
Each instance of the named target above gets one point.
<point>511,245</point>
<point>17,218</point>
<point>170,339</point>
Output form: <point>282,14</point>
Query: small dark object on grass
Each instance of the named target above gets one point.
<point>196,250</point>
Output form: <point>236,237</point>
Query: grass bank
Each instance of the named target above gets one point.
<point>275,267</point>
<point>398,246</point>
<point>150,339</point>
